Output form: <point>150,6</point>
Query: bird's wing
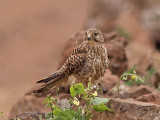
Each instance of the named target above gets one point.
<point>76,60</point>
<point>73,64</point>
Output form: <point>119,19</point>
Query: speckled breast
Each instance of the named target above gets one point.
<point>96,63</point>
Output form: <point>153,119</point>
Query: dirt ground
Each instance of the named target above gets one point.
<point>32,36</point>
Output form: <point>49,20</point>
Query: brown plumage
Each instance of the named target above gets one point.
<point>87,60</point>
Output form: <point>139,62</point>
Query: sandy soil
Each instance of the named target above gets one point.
<point>32,36</point>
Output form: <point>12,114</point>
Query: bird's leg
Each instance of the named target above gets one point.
<point>102,87</point>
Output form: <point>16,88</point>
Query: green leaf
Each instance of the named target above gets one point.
<point>56,112</point>
<point>72,113</point>
<point>59,118</point>
<point>65,114</point>
<point>49,101</point>
<point>99,100</point>
<point>101,107</point>
<point>77,89</point>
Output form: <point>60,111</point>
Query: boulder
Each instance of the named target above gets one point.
<point>30,116</point>
<point>142,93</point>
<point>34,104</point>
<point>136,91</point>
<point>131,110</point>
<point>121,109</point>
<point>150,98</point>
<point>28,104</point>
<point>108,81</point>
<point>150,18</point>
<point>149,65</point>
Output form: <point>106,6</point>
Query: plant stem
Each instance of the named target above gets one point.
<point>51,109</point>
<point>118,85</point>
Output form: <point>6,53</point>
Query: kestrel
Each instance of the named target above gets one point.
<point>87,60</point>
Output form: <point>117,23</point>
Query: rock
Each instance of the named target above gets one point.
<point>31,103</point>
<point>117,56</point>
<point>140,93</point>
<point>151,22</point>
<point>108,81</point>
<point>30,116</point>
<point>131,110</point>
<point>147,64</point>
<point>150,98</point>
<point>28,104</point>
<point>114,44</point>
<point>137,91</point>
<point>31,107</point>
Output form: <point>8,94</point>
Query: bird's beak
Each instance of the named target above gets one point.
<point>89,36</point>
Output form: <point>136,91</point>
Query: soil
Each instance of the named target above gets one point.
<point>32,36</point>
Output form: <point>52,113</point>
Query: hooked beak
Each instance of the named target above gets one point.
<point>89,36</point>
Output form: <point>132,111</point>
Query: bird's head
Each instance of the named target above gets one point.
<point>94,35</point>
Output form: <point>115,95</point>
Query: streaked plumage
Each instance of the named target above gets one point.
<point>87,60</point>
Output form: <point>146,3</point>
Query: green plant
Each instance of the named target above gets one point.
<point>76,110</point>
<point>131,76</point>
<point>2,115</point>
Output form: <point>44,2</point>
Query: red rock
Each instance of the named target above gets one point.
<point>148,62</point>
<point>31,104</point>
<point>131,110</point>
<point>109,80</point>
<point>28,104</point>
<point>121,109</point>
<point>135,91</point>
<point>30,116</point>
<point>152,24</point>
<point>150,98</point>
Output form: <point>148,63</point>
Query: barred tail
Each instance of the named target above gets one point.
<point>54,83</point>
<point>51,77</point>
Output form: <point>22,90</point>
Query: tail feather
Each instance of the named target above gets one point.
<point>57,81</point>
<point>51,77</point>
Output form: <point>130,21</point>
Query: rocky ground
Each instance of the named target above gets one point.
<point>131,34</point>
<point>134,102</point>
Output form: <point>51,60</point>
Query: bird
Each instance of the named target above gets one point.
<point>87,60</point>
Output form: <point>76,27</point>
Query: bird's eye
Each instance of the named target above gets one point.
<point>95,34</point>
